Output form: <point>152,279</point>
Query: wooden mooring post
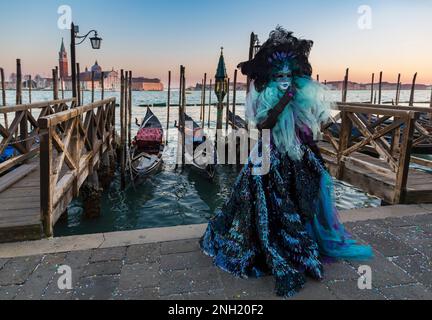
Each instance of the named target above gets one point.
<point>182,111</point>
<point>18,88</point>
<point>29,85</point>
<point>404,160</point>
<point>227,105</point>
<point>180,89</point>
<point>3,88</point>
<point>103,85</point>
<point>122,131</point>
<point>398,87</point>
<point>62,86</point>
<point>346,128</point>
<point>55,84</point>
<point>219,115</point>
<point>210,101</point>
<point>372,87</point>
<point>82,95</point>
<point>345,86</point>
<point>24,120</point>
<point>57,81</point>
<point>78,81</point>
<point>129,127</point>
<point>181,145</point>
<point>430,105</point>
<point>234,98</point>
<point>126,110</point>
<point>168,106</point>
<point>92,86</point>
<point>411,100</point>
<point>380,87</point>
<point>204,101</point>
<point>396,134</point>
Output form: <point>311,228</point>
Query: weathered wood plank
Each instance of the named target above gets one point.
<point>16,175</point>
<point>11,193</point>
<point>372,175</point>
<point>20,233</point>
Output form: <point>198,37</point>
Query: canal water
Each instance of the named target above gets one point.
<point>173,197</point>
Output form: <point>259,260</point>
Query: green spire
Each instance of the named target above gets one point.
<point>221,69</point>
<point>62,48</point>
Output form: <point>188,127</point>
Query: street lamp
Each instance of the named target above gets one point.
<point>257,45</point>
<point>221,88</point>
<point>95,43</point>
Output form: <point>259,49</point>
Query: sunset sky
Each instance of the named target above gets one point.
<point>152,37</point>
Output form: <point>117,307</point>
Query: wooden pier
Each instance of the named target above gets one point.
<point>57,146</point>
<point>370,160</point>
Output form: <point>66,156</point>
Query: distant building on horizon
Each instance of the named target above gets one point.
<point>338,85</point>
<point>146,84</point>
<point>111,80</point>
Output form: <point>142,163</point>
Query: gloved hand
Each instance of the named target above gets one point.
<point>272,116</point>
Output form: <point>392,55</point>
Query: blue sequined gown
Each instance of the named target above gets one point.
<point>282,223</point>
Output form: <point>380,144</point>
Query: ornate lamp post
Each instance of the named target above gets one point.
<point>254,47</point>
<point>257,44</point>
<point>95,43</point>
<point>221,88</point>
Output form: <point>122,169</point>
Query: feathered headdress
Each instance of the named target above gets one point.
<point>280,46</point>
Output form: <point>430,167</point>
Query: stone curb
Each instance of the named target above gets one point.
<point>145,236</point>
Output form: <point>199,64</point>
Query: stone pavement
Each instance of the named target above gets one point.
<point>401,269</point>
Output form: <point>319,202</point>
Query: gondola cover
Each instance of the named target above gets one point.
<point>149,138</point>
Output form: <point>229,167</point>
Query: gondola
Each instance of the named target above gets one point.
<point>197,160</point>
<point>239,122</point>
<point>147,146</point>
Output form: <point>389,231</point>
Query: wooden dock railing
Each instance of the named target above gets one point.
<point>378,141</point>
<point>72,144</point>
<point>422,138</point>
<point>357,116</point>
<point>22,132</point>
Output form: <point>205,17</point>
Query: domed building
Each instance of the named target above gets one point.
<point>111,80</point>
<point>96,68</point>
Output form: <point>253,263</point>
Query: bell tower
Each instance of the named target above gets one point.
<point>63,62</point>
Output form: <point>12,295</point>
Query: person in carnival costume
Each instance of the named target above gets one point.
<point>284,222</point>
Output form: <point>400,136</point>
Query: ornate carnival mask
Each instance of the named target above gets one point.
<point>282,73</point>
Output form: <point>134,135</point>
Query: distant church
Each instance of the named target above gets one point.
<point>63,62</point>
<point>111,79</point>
